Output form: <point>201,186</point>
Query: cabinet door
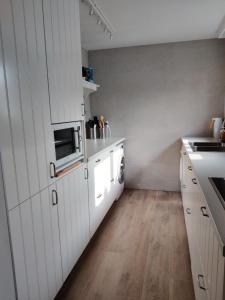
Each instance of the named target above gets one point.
<point>63,47</point>
<point>36,248</point>
<point>99,189</point>
<point>199,280</point>
<point>27,112</point>
<point>210,251</point>
<point>73,217</point>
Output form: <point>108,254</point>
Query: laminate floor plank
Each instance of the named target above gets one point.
<point>140,251</point>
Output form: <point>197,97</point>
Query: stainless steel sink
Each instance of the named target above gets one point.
<point>208,146</point>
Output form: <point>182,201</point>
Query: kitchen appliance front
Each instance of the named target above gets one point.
<point>68,140</point>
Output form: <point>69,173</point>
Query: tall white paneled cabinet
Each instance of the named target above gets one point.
<point>63,48</point>
<point>40,84</point>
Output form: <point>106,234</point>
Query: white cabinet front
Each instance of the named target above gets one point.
<point>100,189</point>
<point>36,247</point>
<point>72,191</point>
<point>63,48</point>
<point>26,137</point>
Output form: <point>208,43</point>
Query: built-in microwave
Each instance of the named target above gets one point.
<point>68,140</point>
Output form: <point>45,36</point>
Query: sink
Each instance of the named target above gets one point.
<point>207,146</point>
<point>218,184</point>
<point>210,144</point>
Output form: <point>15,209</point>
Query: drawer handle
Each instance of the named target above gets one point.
<point>98,160</point>
<point>204,211</point>
<point>190,168</point>
<point>184,153</point>
<point>188,211</point>
<point>54,197</point>
<point>112,180</point>
<point>194,180</point>
<point>201,282</point>
<point>52,168</point>
<point>184,186</point>
<point>99,196</point>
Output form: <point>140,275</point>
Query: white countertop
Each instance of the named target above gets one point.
<point>94,147</point>
<point>205,165</point>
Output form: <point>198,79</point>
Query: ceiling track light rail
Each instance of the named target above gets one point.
<point>101,19</point>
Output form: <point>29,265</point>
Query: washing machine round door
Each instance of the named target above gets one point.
<point>122,171</point>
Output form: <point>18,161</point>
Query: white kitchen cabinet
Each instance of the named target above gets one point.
<point>100,188</point>
<point>207,261</point>
<point>25,119</point>
<point>63,48</point>
<point>36,247</point>
<point>72,191</point>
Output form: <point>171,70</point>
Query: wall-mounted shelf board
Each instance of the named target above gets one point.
<point>89,87</point>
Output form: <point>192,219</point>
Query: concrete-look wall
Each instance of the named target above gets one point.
<point>154,95</point>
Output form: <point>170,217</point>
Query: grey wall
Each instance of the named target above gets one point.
<point>154,95</point>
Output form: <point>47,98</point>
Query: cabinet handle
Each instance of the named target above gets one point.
<point>52,166</point>
<point>99,196</point>
<point>190,168</point>
<point>112,180</point>
<point>188,211</point>
<point>83,109</point>
<point>183,186</point>
<point>111,151</point>
<point>98,160</point>
<point>86,173</point>
<point>201,285</point>
<point>184,153</point>
<point>204,211</point>
<point>77,131</point>
<point>54,197</point>
<point>194,180</point>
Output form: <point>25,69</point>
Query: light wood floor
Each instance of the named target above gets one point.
<point>139,252</point>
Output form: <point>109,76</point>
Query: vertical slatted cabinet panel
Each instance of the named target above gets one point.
<point>6,148</point>
<point>7,284</point>
<point>73,217</point>
<point>214,265</point>
<point>36,248</point>
<point>77,60</point>
<point>82,200</point>
<point>14,102</point>
<point>63,48</point>
<point>27,91</point>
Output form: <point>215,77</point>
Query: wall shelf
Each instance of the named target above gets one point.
<point>89,87</point>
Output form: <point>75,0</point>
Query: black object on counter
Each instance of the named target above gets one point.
<point>219,187</point>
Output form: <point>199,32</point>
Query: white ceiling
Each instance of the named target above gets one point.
<point>141,22</point>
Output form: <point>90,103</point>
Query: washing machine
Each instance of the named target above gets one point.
<point>120,171</point>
